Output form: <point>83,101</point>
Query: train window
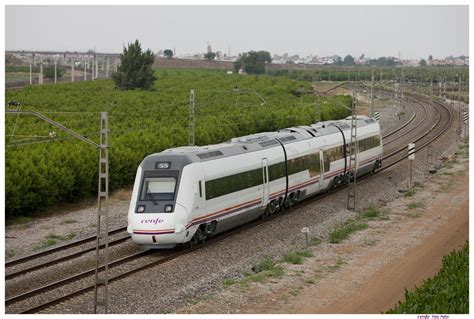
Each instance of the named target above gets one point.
<point>158,188</point>
<point>314,167</point>
<point>233,183</point>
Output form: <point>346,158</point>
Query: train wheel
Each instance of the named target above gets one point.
<point>199,237</point>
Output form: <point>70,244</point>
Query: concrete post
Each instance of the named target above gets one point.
<point>107,68</point>
<point>72,70</point>
<point>40,80</point>
<point>55,71</point>
<point>31,70</point>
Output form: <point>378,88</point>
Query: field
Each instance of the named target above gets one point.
<point>42,171</point>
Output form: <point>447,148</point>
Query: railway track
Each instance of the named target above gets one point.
<point>22,302</point>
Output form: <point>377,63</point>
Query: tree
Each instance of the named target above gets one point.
<point>168,53</point>
<point>337,60</point>
<point>348,60</point>
<point>135,70</point>
<point>253,62</point>
<point>423,62</point>
<point>48,72</point>
<point>430,57</point>
<point>210,56</point>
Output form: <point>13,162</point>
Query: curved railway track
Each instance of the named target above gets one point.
<point>431,132</point>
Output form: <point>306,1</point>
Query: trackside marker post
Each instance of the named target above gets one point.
<point>411,157</point>
<point>377,116</point>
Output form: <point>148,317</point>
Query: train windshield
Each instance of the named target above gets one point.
<point>158,188</point>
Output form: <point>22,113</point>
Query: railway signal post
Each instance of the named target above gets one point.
<point>411,157</point>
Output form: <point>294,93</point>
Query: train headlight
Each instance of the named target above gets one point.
<point>168,208</point>
<point>162,165</point>
<point>140,208</point>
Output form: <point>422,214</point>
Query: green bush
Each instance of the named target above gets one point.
<point>447,292</point>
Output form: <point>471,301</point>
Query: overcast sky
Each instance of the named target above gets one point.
<point>415,31</point>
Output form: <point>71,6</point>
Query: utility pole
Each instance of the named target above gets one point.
<point>459,90</point>
<point>40,80</point>
<point>191,130</point>
<point>72,70</point>
<point>353,150</point>
<point>96,68</point>
<point>402,80</point>
<point>102,240</point>
<point>92,67</point>
<point>444,88</point>
<point>371,109</point>
<point>55,71</point>
<point>31,68</point>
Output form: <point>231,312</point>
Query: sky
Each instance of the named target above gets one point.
<point>411,31</point>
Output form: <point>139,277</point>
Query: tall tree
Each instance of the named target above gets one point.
<point>210,56</point>
<point>253,62</point>
<point>168,53</point>
<point>348,60</point>
<point>135,70</point>
<point>423,62</point>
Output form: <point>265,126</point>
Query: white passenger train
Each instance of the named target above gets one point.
<point>186,194</point>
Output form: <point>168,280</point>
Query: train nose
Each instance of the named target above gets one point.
<point>163,230</point>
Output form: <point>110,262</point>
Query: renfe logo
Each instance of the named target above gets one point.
<point>152,221</point>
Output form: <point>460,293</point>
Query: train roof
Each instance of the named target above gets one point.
<point>259,141</point>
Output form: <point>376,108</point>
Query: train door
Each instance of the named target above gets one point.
<point>321,168</point>
<point>266,183</point>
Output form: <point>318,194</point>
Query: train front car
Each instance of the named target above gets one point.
<point>161,199</point>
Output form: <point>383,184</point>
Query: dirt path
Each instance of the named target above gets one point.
<point>387,285</point>
<point>369,271</point>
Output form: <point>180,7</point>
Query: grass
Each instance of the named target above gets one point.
<point>19,220</point>
<point>69,221</point>
<point>415,205</point>
<point>369,214</point>
<point>342,232</point>
<point>10,253</point>
<point>336,266</point>
<point>315,241</point>
<point>410,192</point>
<point>52,239</point>
<point>414,215</point>
<point>296,257</point>
<point>449,164</point>
<point>228,282</point>
<point>447,292</point>
<point>370,242</point>
<point>267,269</point>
